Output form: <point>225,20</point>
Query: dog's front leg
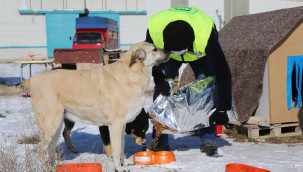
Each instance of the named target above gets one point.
<point>68,126</point>
<point>116,132</point>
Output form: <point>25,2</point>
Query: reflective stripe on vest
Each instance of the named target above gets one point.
<point>201,23</point>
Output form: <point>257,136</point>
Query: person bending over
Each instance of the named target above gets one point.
<point>191,37</point>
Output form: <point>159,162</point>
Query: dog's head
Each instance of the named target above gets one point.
<point>138,128</point>
<point>147,54</point>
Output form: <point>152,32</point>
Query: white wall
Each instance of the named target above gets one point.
<point>132,29</point>
<point>154,6</point>
<point>257,6</point>
<point>17,31</point>
<point>214,9</point>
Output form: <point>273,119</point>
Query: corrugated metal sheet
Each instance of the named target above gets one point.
<point>235,8</point>
<point>17,30</point>
<point>78,5</point>
<point>133,29</point>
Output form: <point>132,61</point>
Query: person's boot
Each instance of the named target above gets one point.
<point>209,148</point>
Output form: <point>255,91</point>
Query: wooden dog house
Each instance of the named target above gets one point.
<point>257,48</point>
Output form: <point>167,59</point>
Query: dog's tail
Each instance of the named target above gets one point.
<point>22,88</point>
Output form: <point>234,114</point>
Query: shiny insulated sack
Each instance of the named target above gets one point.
<point>188,109</point>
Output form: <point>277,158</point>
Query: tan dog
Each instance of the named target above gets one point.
<point>111,95</point>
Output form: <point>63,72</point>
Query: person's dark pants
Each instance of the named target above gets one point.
<point>170,69</point>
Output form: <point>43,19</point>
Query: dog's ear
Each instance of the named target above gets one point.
<point>137,55</point>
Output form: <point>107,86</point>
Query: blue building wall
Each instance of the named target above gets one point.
<point>60,29</point>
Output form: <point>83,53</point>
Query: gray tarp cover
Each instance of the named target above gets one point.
<point>188,109</point>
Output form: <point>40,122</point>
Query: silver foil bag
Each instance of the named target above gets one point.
<point>188,109</point>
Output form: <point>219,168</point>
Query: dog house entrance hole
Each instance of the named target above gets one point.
<point>294,81</point>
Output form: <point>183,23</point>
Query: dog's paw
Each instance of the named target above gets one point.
<point>108,151</point>
<point>73,150</point>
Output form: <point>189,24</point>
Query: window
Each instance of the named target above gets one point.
<point>88,38</point>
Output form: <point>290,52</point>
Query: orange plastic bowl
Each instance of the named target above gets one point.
<point>235,167</point>
<point>148,157</point>
<point>164,157</point>
<point>79,167</point>
<point>144,158</point>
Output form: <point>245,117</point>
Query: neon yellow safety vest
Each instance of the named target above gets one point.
<point>201,23</point>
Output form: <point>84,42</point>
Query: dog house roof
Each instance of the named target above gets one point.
<point>247,41</point>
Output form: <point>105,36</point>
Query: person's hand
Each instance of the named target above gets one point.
<point>219,118</point>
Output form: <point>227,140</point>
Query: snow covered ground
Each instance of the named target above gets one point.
<point>17,120</point>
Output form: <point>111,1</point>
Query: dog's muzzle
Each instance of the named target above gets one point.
<point>140,141</point>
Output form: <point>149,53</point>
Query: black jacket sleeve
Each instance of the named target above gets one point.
<point>222,72</point>
<point>148,38</point>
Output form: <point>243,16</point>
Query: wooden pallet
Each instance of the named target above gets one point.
<point>275,130</point>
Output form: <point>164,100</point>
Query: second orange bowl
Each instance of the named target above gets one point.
<point>236,167</point>
<point>164,157</point>
<point>148,157</point>
<point>79,167</point>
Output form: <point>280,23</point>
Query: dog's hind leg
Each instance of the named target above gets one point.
<point>53,143</point>
<point>68,126</point>
<point>116,132</point>
<point>49,119</point>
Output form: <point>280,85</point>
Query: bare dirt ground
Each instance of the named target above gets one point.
<point>232,133</point>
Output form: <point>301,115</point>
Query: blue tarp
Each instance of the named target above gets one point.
<point>10,80</point>
<point>294,62</point>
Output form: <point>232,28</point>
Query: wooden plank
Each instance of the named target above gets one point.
<point>9,61</point>
<point>42,61</point>
<point>276,130</point>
